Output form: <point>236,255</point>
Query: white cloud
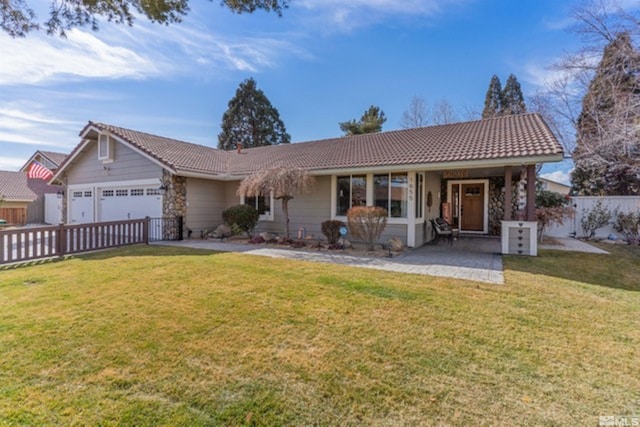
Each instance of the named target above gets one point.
<point>11,163</point>
<point>17,126</point>
<point>563,177</point>
<point>142,51</point>
<point>39,58</point>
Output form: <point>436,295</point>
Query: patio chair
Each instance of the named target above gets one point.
<point>442,228</point>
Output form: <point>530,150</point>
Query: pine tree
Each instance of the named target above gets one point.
<point>251,120</point>
<point>493,99</point>
<point>607,153</point>
<point>512,100</point>
<point>370,122</point>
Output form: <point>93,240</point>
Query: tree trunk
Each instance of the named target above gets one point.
<point>285,211</point>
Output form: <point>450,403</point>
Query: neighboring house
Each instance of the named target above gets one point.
<point>457,171</point>
<point>556,187</point>
<point>49,159</point>
<point>36,211</point>
<point>15,196</point>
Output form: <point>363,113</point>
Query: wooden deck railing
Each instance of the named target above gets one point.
<point>26,244</point>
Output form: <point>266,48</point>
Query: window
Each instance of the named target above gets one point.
<point>77,194</point>
<point>107,193</point>
<point>261,203</point>
<point>104,147</point>
<point>122,193</point>
<point>87,193</point>
<point>419,199</point>
<point>391,192</point>
<point>137,192</point>
<point>153,191</point>
<point>351,191</point>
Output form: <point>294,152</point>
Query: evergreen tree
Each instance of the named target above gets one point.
<point>493,99</point>
<point>607,153</point>
<point>251,120</point>
<point>370,122</point>
<point>511,99</point>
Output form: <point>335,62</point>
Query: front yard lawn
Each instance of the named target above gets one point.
<point>167,336</point>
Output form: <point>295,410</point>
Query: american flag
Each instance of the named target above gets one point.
<point>38,170</point>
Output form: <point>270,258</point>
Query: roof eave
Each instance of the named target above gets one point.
<point>461,164</point>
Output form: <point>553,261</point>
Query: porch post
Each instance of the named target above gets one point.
<point>508,194</point>
<point>531,192</point>
<point>411,207</point>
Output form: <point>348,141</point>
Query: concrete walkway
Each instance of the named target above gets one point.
<point>575,245</point>
<point>476,259</point>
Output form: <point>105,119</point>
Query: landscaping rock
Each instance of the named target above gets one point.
<point>266,236</point>
<point>395,244</point>
<point>223,231</point>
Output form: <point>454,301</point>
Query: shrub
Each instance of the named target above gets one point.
<point>331,230</point>
<point>628,224</point>
<point>591,220</point>
<point>244,217</point>
<point>551,208</point>
<point>367,223</point>
<point>256,240</point>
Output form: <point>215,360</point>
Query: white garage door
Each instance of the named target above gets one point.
<point>81,206</point>
<point>120,203</point>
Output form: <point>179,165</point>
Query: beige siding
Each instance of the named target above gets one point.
<point>432,183</point>
<point>205,203</point>
<point>307,211</point>
<point>230,197</point>
<point>127,165</point>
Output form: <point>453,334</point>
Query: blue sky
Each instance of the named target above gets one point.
<point>323,62</point>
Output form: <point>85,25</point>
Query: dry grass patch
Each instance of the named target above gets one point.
<point>157,335</point>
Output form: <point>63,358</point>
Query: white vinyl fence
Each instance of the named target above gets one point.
<point>571,227</point>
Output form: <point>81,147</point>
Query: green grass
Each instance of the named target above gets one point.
<point>168,336</point>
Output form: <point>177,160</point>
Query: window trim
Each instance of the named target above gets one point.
<point>366,192</point>
<point>104,140</point>
<point>405,218</point>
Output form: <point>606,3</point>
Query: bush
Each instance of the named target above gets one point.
<point>628,224</point>
<point>591,220</point>
<point>244,217</point>
<point>367,223</point>
<point>331,230</point>
<point>256,240</point>
<point>551,208</point>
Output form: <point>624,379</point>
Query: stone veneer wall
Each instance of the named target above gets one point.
<point>496,203</point>
<point>174,201</point>
<point>63,181</point>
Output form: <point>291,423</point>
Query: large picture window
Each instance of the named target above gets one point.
<point>261,203</point>
<point>391,192</point>
<point>352,191</point>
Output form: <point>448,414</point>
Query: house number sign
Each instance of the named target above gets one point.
<point>463,173</point>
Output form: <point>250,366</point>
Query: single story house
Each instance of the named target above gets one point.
<point>15,197</point>
<point>457,171</point>
<point>554,186</point>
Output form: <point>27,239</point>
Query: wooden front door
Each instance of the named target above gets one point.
<point>472,207</point>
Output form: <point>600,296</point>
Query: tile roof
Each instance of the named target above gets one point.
<point>172,152</point>
<point>55,157</point>
<point>14,186</point>
<point>508,137</point>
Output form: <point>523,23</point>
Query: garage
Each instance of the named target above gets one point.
<point>131,202</point>
<point>81,205</point>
